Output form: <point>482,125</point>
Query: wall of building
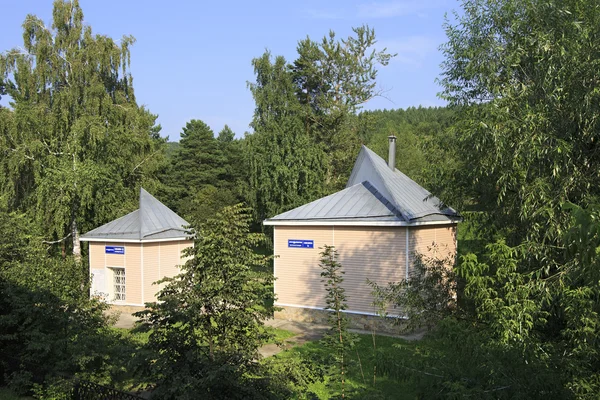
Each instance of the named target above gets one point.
<point>144,263</point>
<point>375,253</point>
<point>102,270</point>
<point>161,259</point>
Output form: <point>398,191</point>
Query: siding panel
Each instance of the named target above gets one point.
<point>151,270</point>
<point>133,273</point>
<point>375,253</point>
<point>297,272</point>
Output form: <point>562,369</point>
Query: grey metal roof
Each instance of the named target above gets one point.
<point>413,201</point>
<point>152,221</point>
<point>375,193</point>
<point>359,201</point>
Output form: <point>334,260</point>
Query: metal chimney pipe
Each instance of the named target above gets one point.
<point>392,152</point>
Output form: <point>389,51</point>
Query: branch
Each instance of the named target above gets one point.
<point>143,161</point>
<point>25,155</point>
<point>57,241</point>
<point>50,151</point>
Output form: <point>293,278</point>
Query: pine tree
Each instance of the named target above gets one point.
<point>337,339</point>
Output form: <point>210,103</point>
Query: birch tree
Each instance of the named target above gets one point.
<point>77,146</point>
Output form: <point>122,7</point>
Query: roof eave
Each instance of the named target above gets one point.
<point>271,222</point>
<point>117,240</point>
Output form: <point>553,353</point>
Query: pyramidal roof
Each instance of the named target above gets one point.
<point>152,221</point>
<point>374,194</point>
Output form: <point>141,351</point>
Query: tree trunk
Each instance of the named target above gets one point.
<point>76,242</point>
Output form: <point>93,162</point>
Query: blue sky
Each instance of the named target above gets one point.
<point>192,59</point>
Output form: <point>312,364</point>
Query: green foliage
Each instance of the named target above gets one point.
<point>521,75</point>
<point>313,355</point>
<point>337,339</point>
<point>423,151</point>
<point>459,360</point>
<point>333,78</point>
<point>76,146</point>
<point>49,326</point>
<point>305,136</point>
<point>286,168</point>
<point>226,134</point>
<point>207,325</point>
<point>204,173</point>
<point>200,160</point>
<point>425,298</point>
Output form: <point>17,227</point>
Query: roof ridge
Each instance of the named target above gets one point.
<point>150,218</point>
<point>405,214</point>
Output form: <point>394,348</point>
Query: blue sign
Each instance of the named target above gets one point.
<point>114,250</point>
<point>305,244</point>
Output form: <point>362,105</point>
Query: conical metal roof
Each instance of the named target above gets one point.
<point>374,194</point>
<point>152,221</point>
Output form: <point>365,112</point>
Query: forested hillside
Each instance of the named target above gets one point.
<point>515,149</point>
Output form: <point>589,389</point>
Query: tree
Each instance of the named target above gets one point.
<point>522,75</point>
<point>226,134</point>
<point>200,160</point>
<point>204,169</point>
<point>305,129</point>
<point>333,79</point>
<point>338,339</point>
<point>50,327</point>
<point>207,323</point>
<point>425,298</point>
<point>286,167</point>
<point>77,146</point>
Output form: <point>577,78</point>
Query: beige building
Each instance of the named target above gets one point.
<point>130,253</point>
<point>378,223</point>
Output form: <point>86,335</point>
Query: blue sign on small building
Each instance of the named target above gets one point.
<point>301,243</point>
<point>114,249</point>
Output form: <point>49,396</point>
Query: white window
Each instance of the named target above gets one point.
<point>119,283</point>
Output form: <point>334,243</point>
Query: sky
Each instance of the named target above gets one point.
<point>192,59</point>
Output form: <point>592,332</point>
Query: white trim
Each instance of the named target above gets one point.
<point>114,303</point>
<point>344,311</point>
<point>142,269</point>
<point>354,223</point>
<point>274,264</point>
<point>333,235</point>
<point>160,276</point>
<point>407,252</point>
<point>133,240</point>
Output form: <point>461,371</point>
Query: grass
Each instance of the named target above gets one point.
<point>280,334</point>
<point>141,338</point>
<point>362,379</point>
<point>7,394</point>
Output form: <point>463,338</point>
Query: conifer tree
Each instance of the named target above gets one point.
<point>338,339</point>
<point>207,325</point>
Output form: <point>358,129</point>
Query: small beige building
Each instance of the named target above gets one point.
<point>378,223</point>
<point>130,253</point>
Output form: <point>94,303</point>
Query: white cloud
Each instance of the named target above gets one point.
<point>397,8</point>
<point>412,50</point>
<point>325,14</point>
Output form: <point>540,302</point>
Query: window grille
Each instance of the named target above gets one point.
<point>119,279</point>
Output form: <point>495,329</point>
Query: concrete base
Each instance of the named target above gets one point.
<point>362,322</point>
<point>125,309</point>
